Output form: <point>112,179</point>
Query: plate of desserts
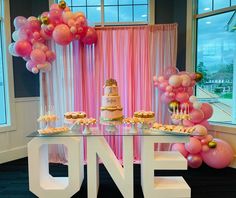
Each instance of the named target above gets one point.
<point>171,129</point>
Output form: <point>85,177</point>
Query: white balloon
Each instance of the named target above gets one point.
<point>11,49</point>
<point>197,105</point>
<point>15,35</point>
<point>192,99</point>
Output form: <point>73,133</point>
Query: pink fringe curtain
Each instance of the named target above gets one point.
<point>132,55</point>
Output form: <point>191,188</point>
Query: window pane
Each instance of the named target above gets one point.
<point>2,89</point>
<point>93,2</point>
<point>233,2</point>
<point>78,2</point>
<point>111,13</point>
<point>140,13</point>
<point>94,14</point>
<point>125,13</point>
<point>125,2</point>
<point>204,6</point>
<point>140,2</point>
<point>110,2</point>
<point>218,4</point>
<point>79,9</point>
<point>216,49</point>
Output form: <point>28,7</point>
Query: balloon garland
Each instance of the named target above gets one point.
<point>59,24</point>
<point>177,91</point>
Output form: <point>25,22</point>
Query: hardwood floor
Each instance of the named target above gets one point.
<point>205,182</point>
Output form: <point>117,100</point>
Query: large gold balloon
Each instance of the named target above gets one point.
<point>199,76</point>
<point>62,4</point>
<point>173,105</point>
<point>212,144</point>
<point>44,20</point>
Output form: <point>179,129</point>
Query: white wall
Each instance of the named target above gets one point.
<point>13,144</point>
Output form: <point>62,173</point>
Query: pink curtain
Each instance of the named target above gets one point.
<point>132,55</point>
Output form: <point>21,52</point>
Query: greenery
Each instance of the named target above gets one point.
<point>202,69</point>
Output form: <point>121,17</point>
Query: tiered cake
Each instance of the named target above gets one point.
<point>111,109</point>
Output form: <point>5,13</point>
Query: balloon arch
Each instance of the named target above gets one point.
<point>59,24</point>
<point>176,90</point>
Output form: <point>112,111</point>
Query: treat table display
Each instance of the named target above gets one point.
<point>44,185</point>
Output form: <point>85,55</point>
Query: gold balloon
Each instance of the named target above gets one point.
<point>44,20</point>
<point>212,144</point>
<point>62,4</point>
<point>199,76</point>
<point>173,105</point>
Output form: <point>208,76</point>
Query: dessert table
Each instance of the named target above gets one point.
<point>42,184</point>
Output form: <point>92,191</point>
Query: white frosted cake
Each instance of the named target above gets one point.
<point>111,109</point>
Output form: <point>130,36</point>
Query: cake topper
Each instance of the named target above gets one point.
<point>111,82</point>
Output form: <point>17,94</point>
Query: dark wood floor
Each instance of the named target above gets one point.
<point>205,182</point>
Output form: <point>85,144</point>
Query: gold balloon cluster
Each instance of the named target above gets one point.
<point>44,20</point>
<point>173,105</point>
<point>62,4</point>
<point>199,76</point>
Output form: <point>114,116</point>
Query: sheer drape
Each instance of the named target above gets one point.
<point>131,55</point>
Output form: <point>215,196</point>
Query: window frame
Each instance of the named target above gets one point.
<point>191,52</point>
<point>151,16</point>
<point>7,67</point>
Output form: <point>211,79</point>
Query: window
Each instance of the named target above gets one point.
<point>215,57</point>
<point>6,74</point>
<point>114,11</point>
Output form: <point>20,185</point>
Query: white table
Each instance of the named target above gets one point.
<point>44,185</point>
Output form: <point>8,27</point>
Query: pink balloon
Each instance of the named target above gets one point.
<point>200,130</point>
<point>161,79</point>
<point>23,48</point>
<point>81,32</point>
<point>90,37</point>
<point>19,21</point>
<point>193,76</point>
<point>163,85</point>
<point>205,148</point>
<point>32,18</point>
<point>34,25</point>
<point>30,64</point>
<point>188,123</point>
<point>179,147</point>
<point>196,116</point>
<point>169,88</point>
<point>55,6</point>
<point>51,56</point>
<point>175,80</point>
<point>156,84</point>
<point>193,146</point>
<point>190,91</point>
<point>62,34</point>
<point>206,139</point>
<point>35,70</point>
<point>38,56</point>
<point>78,14</point>
<point>45,14</point>
<point>55,16</point>
<point>186,80</point>
<point>207,110</point>
<point>24,33</point>
<point>182,97</point>
<point>81,21</point>
<point>44,35</point>
<point>66,16</point>
<point>71,22</point>
<point>219,157</point>
<point>194,161</point>
<point>206,124</point>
